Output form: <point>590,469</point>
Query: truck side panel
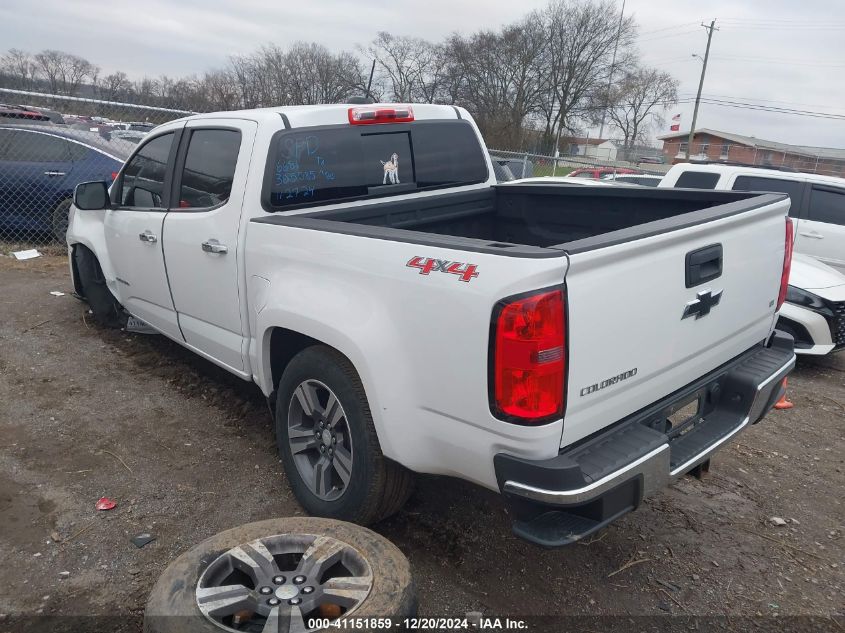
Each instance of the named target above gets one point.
<point>419,341</point>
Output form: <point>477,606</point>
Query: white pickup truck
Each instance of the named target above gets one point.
<point>575,348</point>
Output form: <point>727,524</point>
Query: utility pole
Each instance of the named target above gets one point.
<point>612,68</point>
<point>710,30</point>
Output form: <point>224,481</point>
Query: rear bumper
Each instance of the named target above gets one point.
<point>561,500</point>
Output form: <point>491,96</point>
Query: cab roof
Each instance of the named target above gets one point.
<point>330,114</point>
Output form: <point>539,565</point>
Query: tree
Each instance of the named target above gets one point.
<point>496,75</point>
<point>409,68</point>
<point>638,100</point>
<point>580,36</point>
<point>114,87</point>
<point>19,69</point>
<point>64,72</point>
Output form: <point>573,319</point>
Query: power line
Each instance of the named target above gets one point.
<point>663,37</point>
<point>774,109</point>
<point>670,28</point>
<point>780,21</point>
<point>752,99</point>
<point>783,62</point>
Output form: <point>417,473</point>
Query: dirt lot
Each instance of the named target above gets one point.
<point>188,451</point>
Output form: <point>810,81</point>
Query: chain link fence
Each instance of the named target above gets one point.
<point>51,143</point>
<point>515,164</point>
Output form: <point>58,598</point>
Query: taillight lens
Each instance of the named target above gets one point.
<point>529,357</point>
<point>787,262</point>
<point>366,115</point>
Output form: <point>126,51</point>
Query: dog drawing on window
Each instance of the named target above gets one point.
<point>391,170</point>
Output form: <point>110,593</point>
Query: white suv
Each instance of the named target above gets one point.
<point>818,202</point>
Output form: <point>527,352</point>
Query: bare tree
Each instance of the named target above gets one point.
<point>64,72</point>
<point>243,70</point>
<point>638,100</point>
<point>496,76</point>
<point>578,58</point>
<point>409,68</point>
<point>114,86</point>
<point>19,69</point>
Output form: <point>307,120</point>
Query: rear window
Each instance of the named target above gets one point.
<point>322,165</point>
<point>793,188</point>
<point>827,205</point>
<point>697,180</point>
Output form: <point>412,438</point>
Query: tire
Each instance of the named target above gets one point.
<point>172,605</point>
<point>59,220</point>
<point>374,486</point>
<point>107,310</point>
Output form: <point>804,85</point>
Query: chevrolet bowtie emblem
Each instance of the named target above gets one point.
<point>702,305</point>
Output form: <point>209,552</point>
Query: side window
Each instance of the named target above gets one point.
<point>31,147</point>
<point>827,205</point>
<point>794,188</point>
<point>697,180</point>
<point>77,151</point>
<point>142,184</point>
<point>209,168</point>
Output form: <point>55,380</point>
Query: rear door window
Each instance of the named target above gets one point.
<point>336,163</point>
<point>827,205</point>
<point>32,147</point>
<point>697,180</point>
<point>793,188</point>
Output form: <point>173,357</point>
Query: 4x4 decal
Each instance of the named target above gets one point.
<point>465,272</point>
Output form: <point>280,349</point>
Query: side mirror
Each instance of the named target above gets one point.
<point>91,196</point>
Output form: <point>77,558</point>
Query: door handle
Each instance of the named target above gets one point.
<point>55,173</point>
<point>812,235</point>
<point>213,246</point>
<point>147,237</point>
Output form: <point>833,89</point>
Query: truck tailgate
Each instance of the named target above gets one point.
<point>629,342</point>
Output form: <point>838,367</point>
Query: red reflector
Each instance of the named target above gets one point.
<point>113,175</point>
<point>367,115</point>
<point>787,262</point>
<point>529,357</point>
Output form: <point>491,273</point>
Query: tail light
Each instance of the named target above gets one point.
<point>114,175</point>
<point>787,263</point>
<point>367,115</point>
<point>528,357</point>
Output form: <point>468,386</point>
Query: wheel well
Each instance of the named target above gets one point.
<point>284,345</point>
<point>77,284</point>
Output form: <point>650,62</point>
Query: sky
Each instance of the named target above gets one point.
<point>777,53</point>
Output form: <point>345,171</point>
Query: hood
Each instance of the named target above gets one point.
<point>810,274</point>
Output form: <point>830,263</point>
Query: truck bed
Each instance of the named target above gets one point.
<point>531,219</point>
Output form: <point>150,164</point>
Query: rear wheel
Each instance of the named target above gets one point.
<point>107,310</point>
<point>60,220</point>
<point>328,443</point>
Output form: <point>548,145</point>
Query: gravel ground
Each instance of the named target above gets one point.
<point>188,451</point>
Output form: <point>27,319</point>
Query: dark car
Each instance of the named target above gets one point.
<point>39,168</point>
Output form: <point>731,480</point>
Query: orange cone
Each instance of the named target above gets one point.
<point>783,403</point>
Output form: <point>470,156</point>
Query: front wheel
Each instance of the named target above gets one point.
<point>328,443</point>
<point>107,310</point>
